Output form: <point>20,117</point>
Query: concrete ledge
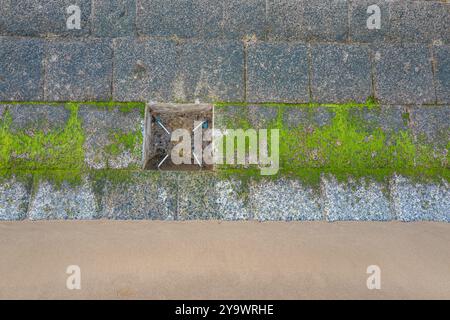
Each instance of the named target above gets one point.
<point>202,196</point>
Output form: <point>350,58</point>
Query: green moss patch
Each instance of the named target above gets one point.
<point>58,149</point>
<point>58,154</point>
<point>346,146</point>
<point>125,141</point>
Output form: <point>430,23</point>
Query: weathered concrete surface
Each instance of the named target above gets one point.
<point>231,200</point>
<point>229,116</point>
<point>114,18</point>
<point>291,20</point>
<point>205,196</point>
<point>415,201</point>
<point>196,197</point>
<point>202,196</point>
<point>110,137</point>
<point>419,21</point>
<point>144,70</point>
<point>284,200</point>
<point>137,196</point>
<point>442,72</point>
<point>35,122</point>
<point>244,19</point>
<point>21,69</point>
<point>294,117</point>
<point>358,21</point>
<point>403,74</point>
<point>211,260</point>
<point>43,18</point>
<point>199,19</point>
<point>34,118</point>
<point>431,124</point>
<point>312,20</point>
<point>104,129</point>
<point>277,73</point>
<point>2,110</point>
<point>78,71</point>
<point>14,197</point>
<point>168,70</point>
<point>210,71</point>
<point>340,73</point>
<point>63,201</point>
<point>390,120</point>
<point>356,200</point>
<point>261,117</point>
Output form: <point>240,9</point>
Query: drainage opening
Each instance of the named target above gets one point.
<point>180,126</point>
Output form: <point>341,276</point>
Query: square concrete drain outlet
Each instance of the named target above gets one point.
<point>161,121</point>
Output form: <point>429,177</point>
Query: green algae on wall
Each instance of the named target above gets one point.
<point>59,153</point>
<point>125,141</point>
<point>57,149</point>
<point>347,145</point>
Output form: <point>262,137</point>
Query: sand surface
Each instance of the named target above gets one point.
<point>212,260</point>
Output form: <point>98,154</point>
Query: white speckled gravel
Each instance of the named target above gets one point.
<point>284,200</point>
<point>414,201</point>
<point>63,202</point>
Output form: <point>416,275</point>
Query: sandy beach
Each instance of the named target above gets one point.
<point>213,260</point>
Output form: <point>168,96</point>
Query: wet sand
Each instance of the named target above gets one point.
<point>212,260</point>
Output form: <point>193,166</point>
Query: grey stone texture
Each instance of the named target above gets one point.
<point>230,117</point>
<point>277,72</point>
<point>363,200</point>
<point>441,55</point>
<point>284,200</point>
<point>403,74</point>
<point>413,201</point>
<point>2,110</point>
<point>103,127</point>
<point>42,17</point>
<point>114,18</point>
<point>262,117</point>
<point>21,69</point>
<point>389,119</point>
<point>431,127</point>
<point>33,118</point>
<point>230,200</point>
<point>151,195</point>
<point>244,19</point>
<point>219,58</point>
<point>144,70</point>
<point>203,196</point>
<point>14,197</point>
<point>359,32</point>
<point>294,117</point>
<point>79,71</point>
<point>340,73</point>
<point>307,20</point>
<point>137,195</point>
<point>386,118</point>
<point>210,71</point>
<point>419,21</point>
<point>199,19</point>
<point>311,20</point>
<point>52,201</point>
<point>196,197</point>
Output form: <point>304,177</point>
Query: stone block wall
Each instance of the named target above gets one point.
<point>363,114</point>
